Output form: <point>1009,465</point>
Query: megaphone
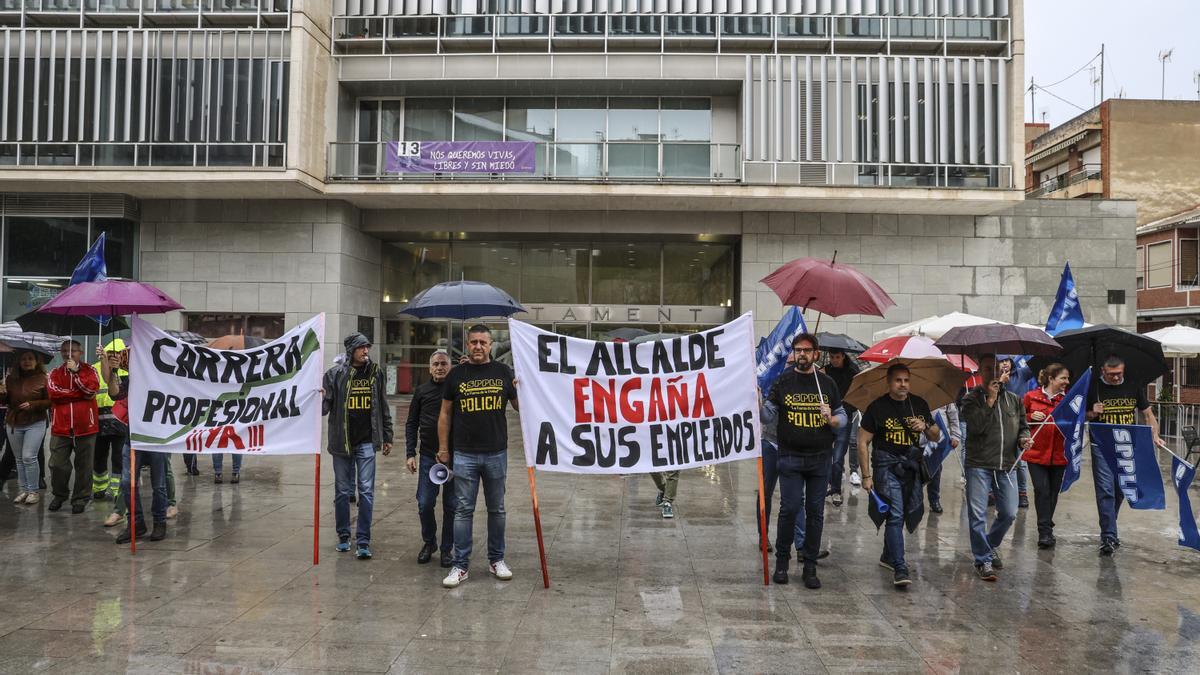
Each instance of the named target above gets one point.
<point>880,505</point>
<point>440,473</point>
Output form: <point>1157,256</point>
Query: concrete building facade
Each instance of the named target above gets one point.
<point>682,149</point>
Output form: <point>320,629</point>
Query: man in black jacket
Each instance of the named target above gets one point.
<point>421,431</point>
<point>354,396</point>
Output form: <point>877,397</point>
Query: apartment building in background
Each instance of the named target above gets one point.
<point>263,160</point>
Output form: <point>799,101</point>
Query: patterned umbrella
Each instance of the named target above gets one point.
<point>912,347</point>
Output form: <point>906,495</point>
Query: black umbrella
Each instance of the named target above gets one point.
<point>461,300</point>
<point>58,324</point>
<point>998,338</point>
<point>840,342</point>
<point>1091,346</point>
<point>15,344</point>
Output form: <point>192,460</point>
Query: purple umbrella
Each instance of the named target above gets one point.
<point>110,298</point>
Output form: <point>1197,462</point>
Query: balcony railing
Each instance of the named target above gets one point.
<point>1084,173</point>
<point>874,174</point>
<point>612,161</point>
<point>667,32</point>
<point>144,155</point>
<point>146,13</point>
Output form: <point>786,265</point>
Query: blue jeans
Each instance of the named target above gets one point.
<point>427,493</point>
<point>934,487</point>
<point>979,483</point>
<point>803,480</point>
<point>846,443</point>
<point>770,460</point>
<point>158,482</point>
<point>360,465</point>
<point>24,444</point>
<point>219,462</point>
<point>469,470</point>
<point>892,489</point>
<point>1108,495</point>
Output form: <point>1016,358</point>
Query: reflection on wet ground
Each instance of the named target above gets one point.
<point>232,589</point>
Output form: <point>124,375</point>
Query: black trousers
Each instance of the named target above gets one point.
<point>1047,481</point>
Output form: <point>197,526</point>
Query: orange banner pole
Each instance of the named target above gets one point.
<point>537,523</point>
<point>132,502</point>
<point>762,522</point>
<point>317,512</point>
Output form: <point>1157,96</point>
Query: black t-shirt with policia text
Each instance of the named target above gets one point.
<point>480,394</point>
<point>801,429</point>
<point>358,406</point>
<point>886,419</point>
<point>1121,401</point>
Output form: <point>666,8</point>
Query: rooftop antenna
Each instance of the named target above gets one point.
<point>1165,57</point>
<point>1196,77</point>
<point>1095,82</point>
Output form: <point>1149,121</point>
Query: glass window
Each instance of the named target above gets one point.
<point>265,326</point>
<point>26,295</point>
<point>698,274</point>
<point>633,119</point>
<point>496,264</point>
<point>48,247</point>
<point>581,119</point>
<point>479,119</point>
<point>409,268</point>
<point>120,245</point>
<point>687,119</point>
<point>1159,265</point>
<point>556,273</point>
<point>427,119</point>
<point>626,274</point>
<point>530,119</point>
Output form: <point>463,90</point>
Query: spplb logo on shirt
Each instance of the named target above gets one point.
<point>482,395</point>
<point>895,432</point>
<point>359,397</point>
<point>804,410</point>
<point>1119,411</point>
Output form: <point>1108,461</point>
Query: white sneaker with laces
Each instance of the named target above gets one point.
<point>32,498</point>
<point>457,576</point>
<point>500,570</point>
<point>20,499</point>
<point>855,479</point>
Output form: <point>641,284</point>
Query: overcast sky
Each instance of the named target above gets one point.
<point>1063,35</point>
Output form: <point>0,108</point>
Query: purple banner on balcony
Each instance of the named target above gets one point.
<point>461,157</point>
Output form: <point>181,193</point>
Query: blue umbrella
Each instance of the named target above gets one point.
<point>461,300</point>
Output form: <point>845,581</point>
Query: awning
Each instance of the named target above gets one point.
<point>1061,145</point>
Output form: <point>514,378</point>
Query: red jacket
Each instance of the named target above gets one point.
<point>73,397</point>
<point>1048,444</point>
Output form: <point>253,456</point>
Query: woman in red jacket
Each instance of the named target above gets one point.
<point>1047,459</point>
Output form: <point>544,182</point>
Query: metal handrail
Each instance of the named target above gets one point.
<point>146,6</point>
<point>141,155</point>
<point>1062,181</point>
<point>584,161</point>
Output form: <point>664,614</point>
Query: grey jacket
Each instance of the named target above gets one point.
<point>336,384</point>
<point>993,433</point>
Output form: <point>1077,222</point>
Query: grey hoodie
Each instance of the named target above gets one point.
<point>336,383</point>
<point>993,433</point>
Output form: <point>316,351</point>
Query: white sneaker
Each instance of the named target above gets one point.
<point>32,498</point>
<point>20,499</point>
<point>500,570</point>
<point>855,479</point>
<point>457,576</point>
<point>113,519</point>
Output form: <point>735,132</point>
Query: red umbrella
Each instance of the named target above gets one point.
<point>110,298</point>
<point>912,347</point>
<point>829,287</point>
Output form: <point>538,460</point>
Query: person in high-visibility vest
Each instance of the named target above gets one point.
<point>106,462</point>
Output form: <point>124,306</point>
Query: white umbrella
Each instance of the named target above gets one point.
<point>935,327</point>
<point>1178,342</point>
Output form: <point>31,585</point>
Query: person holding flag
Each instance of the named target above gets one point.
<point>1115,400</point>
<point>950,418</point>
<point>1047,458</point>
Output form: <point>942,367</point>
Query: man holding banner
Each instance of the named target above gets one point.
<point>1116,400</point>
<point>354,396</point>
<point>474,401</point>
<point>810,412</point>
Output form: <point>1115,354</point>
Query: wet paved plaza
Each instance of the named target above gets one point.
<point>232,588</point>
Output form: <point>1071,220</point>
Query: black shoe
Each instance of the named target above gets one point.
<point>124,537</point>
<point>217,478</point>
<point>986,571</point>
<point>193,471</point>
<point>78,507</point>
<point>885,564</point>
<point>426,554</point>
<point>900,578</point>
<point>1045,541</point>
<point>935,506</point>
<point>159,532</point>
<point>659,499</point>
<point>237,478</point>
<point>55,504</point>
<point>821,555</point>
<point>770,546</point>
<point>780,576</point>
<point>447,560</point>
<point>809,576</point>
<point>1023,501</point>
<point>996,562</point>
<point>1107,548</point>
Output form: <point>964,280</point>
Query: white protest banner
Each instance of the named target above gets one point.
<point>619,407</point>
<point>191,399</point>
